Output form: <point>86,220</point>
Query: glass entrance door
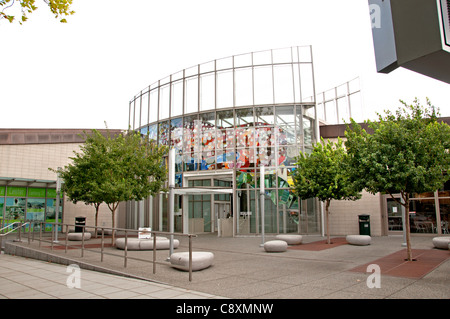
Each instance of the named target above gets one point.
<point>222,210</point>
<point>394,213</point>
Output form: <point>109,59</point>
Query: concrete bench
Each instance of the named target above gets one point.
<point>275,246</point>
<point>290,239</point>
<point>359,240</point>
<point>441,242</point>
<point>146,244</point>
<point>78,236</point>
<point>200,260</point>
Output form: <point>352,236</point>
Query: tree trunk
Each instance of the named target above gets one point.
<point>327,205</point>
<point>408,228</point>
<point>97,206</point>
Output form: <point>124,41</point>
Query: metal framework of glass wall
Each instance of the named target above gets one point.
<point>229,117</point>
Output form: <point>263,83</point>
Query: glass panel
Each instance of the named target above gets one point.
<point>36,208</point>
<point>144,106</point>
<point>283,84</point>
<point>2,205</point>
<point>264,116</point>
<point>191,95</point>
<point>244,117</point>
<point>270,211</point>
<point>15,208</point>
<point>177,99</point>
<point>164,102</point>
<point>225,158</point>
<point>153,132</point>
<point>51,213</point>
<point>343,110</point>
<point>176,136</point>
<point>246,206</point>
<point>306,82</point>
<point>144,130</point>
<point>164,133</point>
<point>191,71</point>
<point>225,89</point>
<point>243,60</point>
<point>263,85</point>
<point>208,122</point>
<point>137,112</point>
<point>266,156</point>
<point>287,155</point>
<point>288,215</point>
<point>245,137</point>
<point>225,119</point>
<point>208,160</point>
<point>207,91</point>
<point>304,54</point>
<point>245,158</point>
<point>265,136</point>
<point>262,57</point>
<point>297,92</point>
<point>308,131</point>
<point>243,87</point>
<point>422,214</point>
<point>207,67</point>
<point>226,63</point>
<point>285,179</point>
<point>153,106</point>
<point>282,55</point>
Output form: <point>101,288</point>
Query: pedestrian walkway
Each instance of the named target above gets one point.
<point>241,270</point>
<point>25,278</point>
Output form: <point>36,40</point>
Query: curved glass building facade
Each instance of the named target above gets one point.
<point>226,119</point>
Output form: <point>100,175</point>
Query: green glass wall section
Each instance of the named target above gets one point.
<point>19,204</point>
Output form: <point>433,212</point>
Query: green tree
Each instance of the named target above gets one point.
<point>113,169</point>
<point>323,174</point>
<point>133,168</point>
<point>58,7</point>
<point>407,153</point>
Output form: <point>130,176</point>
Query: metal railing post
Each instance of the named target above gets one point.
<point>82,241</point>
<point>154,253</point>
<point>190,257</point>
<point>67,238</point>
<point>102,244</point>
<point>125,249</point>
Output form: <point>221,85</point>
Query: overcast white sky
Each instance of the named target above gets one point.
<point>83,73</point>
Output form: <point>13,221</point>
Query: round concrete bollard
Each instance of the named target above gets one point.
<point>200,260</point>
<point>441,242</point>
<point>78,236</point>
<point>358,240</point>
<point>275,246</point>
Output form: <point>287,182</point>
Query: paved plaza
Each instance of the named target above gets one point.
<point>241,270</point>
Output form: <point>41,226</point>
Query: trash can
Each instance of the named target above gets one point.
<point>79,222</point>
<point>364,224</point>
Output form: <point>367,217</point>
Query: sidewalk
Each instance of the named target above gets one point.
<point>241,270</point>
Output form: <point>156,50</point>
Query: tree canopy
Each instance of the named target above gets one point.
<point>59,8</point>
<point>407,152</point>
<point>323,174</point>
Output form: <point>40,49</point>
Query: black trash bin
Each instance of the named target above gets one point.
<point>364,224</point>
<point>79,223</point>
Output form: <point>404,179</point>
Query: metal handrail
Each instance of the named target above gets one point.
<point>102,252</point>
<point>14,229</point>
